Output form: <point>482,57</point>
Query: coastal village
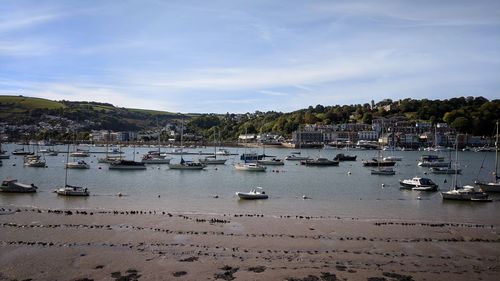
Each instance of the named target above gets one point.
<point>395,133</point>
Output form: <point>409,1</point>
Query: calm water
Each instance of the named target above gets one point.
<point>333,191</point>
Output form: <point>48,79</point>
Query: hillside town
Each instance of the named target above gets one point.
<point>394,133</point>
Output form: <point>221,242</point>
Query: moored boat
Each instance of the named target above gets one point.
<point>319,162</point>
<point>445,170</point>
<point>383,171</point>
<point>253,194</point>
<point>271,162</point>
<point>418,183</point>
<point>13,186</point>
<point>70,190</point>
<point>212,160</point>
<point>155,159</point>
<point>252,167</point>
<point>36,163</point>
<point>77,165</point>
<point>187,165</point>
<point>80,153</point>
<point>294,157</point>
<point>465,193</point>
<point>126,165</point>
<point>344,157</point>
<point>21,151</point>
<point>378,162</point>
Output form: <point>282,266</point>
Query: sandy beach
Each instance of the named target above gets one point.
<point>41,244</point>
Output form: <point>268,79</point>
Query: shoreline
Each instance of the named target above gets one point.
<point>157,245</point>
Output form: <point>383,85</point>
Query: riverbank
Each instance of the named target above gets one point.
<point>154,245</point>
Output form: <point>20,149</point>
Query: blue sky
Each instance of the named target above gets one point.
<point>242,56</point>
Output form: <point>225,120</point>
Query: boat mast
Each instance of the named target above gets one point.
<point>215,146</point>
<point>66,176</point>
<point>496,156</point>
<point>455,178</point>
<point>159,137</point>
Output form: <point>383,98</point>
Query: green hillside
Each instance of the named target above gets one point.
<point>20,110</point>
<point>29,103</point>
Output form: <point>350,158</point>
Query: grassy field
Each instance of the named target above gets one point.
<point>30,103</point>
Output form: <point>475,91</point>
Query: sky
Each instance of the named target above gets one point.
<point>240,56</point>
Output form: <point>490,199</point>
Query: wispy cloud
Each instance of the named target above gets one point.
<point>27,18</point>
<point>440,13</point>
<point>273,93</point>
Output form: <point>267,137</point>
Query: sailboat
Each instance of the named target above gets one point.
<point>127,164</point>
<point>249,166</point>
<point>34,161</point>
<point>110,158</point>
<point>269,162</point>
<point>183,164</point>
<point>464,193</point>
<point>384,167</point>
<point>155,157</point>
<point>70,190</point>
<point>492,186</point>
<point>212,159</point>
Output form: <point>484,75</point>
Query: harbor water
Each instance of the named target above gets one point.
<point>348,190</point>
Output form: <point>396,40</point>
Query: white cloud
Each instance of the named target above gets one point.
<point>435,13</point>
<point>273,93</point>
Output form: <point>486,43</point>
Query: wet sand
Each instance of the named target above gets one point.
<point>42,244</point>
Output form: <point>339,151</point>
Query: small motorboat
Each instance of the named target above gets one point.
<point>419,184</point>
<point>253,194</point>
<point>12,185</point>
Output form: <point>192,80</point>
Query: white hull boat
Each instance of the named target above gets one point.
<point>466,193</point>
<point>252,195</point>
<point>418,184</point>
<point>252,167</point>
<point>72,191</point>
